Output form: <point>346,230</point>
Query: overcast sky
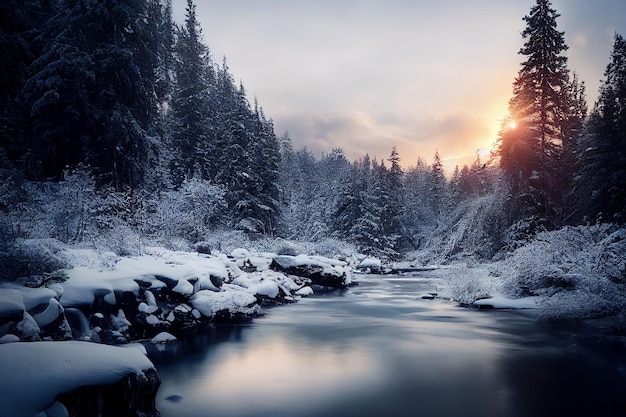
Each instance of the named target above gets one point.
<point>368,75</point>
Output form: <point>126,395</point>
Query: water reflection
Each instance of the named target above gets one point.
<point>381,350</point>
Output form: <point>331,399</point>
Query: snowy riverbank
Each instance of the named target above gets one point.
<point>569,274</point>
<point>158,296</point>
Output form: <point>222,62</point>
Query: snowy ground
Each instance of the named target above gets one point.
<point>569,274</point>
<point>165,287</point>
<point>33,374</point>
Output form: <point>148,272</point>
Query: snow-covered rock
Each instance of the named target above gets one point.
<point>371,265</point>
<point>163,337</point>
<point>34,375</point>
<point>499,301</point>
<point>305,291</point>
<point>9,338</point>
<point>320,270</point>
<point>238,302</point>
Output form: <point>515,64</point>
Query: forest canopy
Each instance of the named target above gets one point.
<point>117,126</point>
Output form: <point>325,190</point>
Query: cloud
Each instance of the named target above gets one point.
<point>456,135</point>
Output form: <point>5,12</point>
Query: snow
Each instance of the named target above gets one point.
<point>371,263</point>
<point>184,287</point>
<point>50,314</point>
<point>9,338</point>
<point>239,301</point>
<point>305,291</point>
<point>120,322</point>
<point>329,266</point>
<point>85,284</point>
<point>33,374</point>
<point>267,288</point>
<point>163,337</point>
<point>501,302</point>
<point>11,302</point>
<point>147,309</point>
<point>240,253</point>
<point>28,327</point>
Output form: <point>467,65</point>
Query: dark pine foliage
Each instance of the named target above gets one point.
<point>544,108</point>
<point>599,186</point>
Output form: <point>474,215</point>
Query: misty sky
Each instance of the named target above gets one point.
<point>366,75</point>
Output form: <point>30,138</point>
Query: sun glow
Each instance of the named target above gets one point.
<point>512,125</point>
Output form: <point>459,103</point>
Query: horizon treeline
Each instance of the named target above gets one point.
<point>116,101</point>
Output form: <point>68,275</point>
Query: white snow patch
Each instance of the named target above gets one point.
<point>147,309</point>
<point>268,288</point>
<point>11,302</point>
<point>33,374</point>
<point>9,338</point>
<point>183,287</point>
<point>371,263</point>
<point>305,291</point>
<point>28,327</point>
<point>50,314</point>
<point>240,253</point>
<point>210,302</point>
<point>120,322</point>
<point>501,302</point>
<point>163,337</point>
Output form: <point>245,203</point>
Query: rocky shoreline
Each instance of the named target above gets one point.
<point>159,296</point>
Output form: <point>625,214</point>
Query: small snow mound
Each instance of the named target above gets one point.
<point>209,302</point>
<point>371,264</point>
<point>163,337</point>
<point>502,302</point>
<point>267,288</point>
<point>148,309</point>
<point>120,322</point>
<point>240,253</point>
<point>305,291</point>
<point>183,287</point>
<point>9,338</point>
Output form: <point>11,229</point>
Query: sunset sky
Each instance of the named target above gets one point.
<point>368,75</point>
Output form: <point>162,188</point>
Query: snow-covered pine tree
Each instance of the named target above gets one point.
<point>392,223</point>
<point>265,166</point>
<point>530,153</point>
<point>190,107</point>
<point>599,185</point>
<point>91,93</point>
<point>351,199</point>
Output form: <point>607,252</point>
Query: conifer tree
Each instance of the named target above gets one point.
<point>190,103</point>
<point>91,95</point>
<point>531,152</point>
<point>599,186</point>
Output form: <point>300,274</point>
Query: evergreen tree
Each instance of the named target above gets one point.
<point>190,135</point>
<point>21,23</point>
<point>531,152</point>
<point>438,186</point>
<point>599,186</point>
<point>91,93</point>
<point>392,224</point>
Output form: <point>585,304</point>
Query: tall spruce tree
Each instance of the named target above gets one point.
<point>91,93</point>
<point>531,152</point>
<point>190,136</point>
<point>599,186</point>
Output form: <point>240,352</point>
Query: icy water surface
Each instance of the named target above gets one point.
<point>379,349</point>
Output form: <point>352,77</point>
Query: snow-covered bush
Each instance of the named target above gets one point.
<point>580,271</point>
<point>192,212</point>
<point>472,229</point>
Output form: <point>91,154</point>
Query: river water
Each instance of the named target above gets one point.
<point>379,349</point>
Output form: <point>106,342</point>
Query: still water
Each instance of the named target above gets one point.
<point>379,349</point>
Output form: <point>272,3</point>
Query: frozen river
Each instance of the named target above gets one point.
<point>379,349</point>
